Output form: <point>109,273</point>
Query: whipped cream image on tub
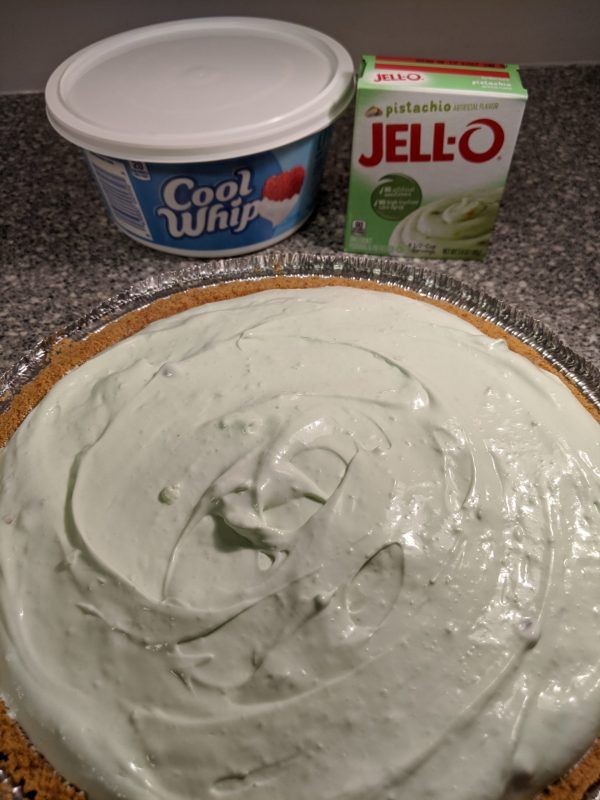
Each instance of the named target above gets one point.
<point>433,142</point>
<point>319,543</point>
<point>277,210</point>
<point>206,137</point>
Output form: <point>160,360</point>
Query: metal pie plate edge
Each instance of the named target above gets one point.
<point>413,278</point>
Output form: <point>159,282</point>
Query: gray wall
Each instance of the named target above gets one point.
<point>36,35</point>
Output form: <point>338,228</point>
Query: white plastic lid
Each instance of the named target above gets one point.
<point>200,89</point>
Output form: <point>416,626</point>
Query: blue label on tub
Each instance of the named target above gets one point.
<point>232,205</point>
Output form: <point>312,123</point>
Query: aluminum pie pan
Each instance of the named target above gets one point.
<point>418,280</point>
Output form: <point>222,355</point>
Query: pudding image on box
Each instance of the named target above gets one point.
<point>432,146</point>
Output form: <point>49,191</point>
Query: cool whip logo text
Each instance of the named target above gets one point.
<point>193,210</point>
<point>403,142</point>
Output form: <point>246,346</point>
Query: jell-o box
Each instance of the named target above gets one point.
<point>432,146</point>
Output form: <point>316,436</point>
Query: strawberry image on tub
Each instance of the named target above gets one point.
<point>280,195</point>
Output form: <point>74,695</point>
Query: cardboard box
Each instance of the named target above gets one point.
<point>432,146</point>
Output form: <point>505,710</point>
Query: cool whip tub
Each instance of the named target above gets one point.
<point>433,142</point>
<point>206,137</point>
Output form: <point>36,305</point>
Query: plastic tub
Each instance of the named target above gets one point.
<point>206,137</point>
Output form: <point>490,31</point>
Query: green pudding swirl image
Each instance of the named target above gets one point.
<point>457,222</point>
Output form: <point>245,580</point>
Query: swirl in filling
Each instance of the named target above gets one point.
<point>323,543</point>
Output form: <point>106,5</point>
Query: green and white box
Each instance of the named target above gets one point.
<point>433,142</point>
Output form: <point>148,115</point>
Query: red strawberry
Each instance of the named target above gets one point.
<point>284,185</point>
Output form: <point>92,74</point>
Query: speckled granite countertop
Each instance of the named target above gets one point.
<point>59,254</point>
